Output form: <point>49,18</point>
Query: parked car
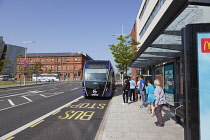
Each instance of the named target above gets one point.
<point>1,77</point>
<point>6,78</point>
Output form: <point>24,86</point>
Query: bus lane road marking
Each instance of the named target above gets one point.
<point>12,133</point>
<point>80,114</point>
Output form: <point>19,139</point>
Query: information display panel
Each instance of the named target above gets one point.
<point>169,83</point>
<point>203,47</point>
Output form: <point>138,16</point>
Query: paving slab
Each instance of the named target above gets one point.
<point>130,122</point>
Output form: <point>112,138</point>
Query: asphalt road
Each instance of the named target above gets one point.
<point>52,111</point>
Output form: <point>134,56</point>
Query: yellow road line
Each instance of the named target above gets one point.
<point>56,112</point>
<point>10,138</point>
<point>37,123</point>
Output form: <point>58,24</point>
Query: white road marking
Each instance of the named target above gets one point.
<point>11,102</point>
<point>37,120</point>
<point>58,93</point>
<point>23,93</point>
<point>14,106</point>
<point>74,89</point>
<point>27,98</point>
<point>43,95</point>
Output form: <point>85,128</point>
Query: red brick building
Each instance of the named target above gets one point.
<point>134,71</point>
<point>67,65</point>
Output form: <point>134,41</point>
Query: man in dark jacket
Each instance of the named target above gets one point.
<point>126,88</point>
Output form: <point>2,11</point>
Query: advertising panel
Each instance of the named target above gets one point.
<point>169,84</point>
<point>203,40</point>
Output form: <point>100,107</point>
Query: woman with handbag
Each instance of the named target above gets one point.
<point>159,101</point>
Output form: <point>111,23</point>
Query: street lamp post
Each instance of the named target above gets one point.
<point>122,75</point>
<point>25,62</point>
<point>119,34</point>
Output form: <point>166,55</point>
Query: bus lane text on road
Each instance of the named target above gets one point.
<point>79,114</point>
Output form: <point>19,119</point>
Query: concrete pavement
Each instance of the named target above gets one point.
<point>130,122</point>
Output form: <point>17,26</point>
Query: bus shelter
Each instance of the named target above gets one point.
<point>168,55</point>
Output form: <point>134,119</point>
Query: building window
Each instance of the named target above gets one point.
<point>52,60</point>
<point>41,60</point>
<point>143,9</point>
<point>75,59</point>
<point>152,16</point>
<point>67,68</point>
<point>59,60</point>
<point>20,60</point>
<point>66,59</point>
<point>59,67</point>
<point>52,67</point>
<point>46,67</point>
<point>75,67</point>
<point>31,60</point>
<point>47,60</point>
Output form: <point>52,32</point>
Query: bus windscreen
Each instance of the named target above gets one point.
<point>99,75</point>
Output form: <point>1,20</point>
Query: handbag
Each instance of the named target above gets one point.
<point>154,102</point>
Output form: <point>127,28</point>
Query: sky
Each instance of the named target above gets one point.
<point>67,25</point>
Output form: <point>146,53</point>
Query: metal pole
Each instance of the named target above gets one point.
<point>122,29</point>
<point>24,83</point>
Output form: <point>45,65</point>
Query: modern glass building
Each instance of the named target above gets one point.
<point>159,27</point>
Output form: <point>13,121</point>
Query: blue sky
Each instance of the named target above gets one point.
<point>67,25</point>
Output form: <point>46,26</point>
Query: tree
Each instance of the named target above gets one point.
<point>4,64</point>
<point>37,68</point>
<point>49,71</point>
<point>123,52</point>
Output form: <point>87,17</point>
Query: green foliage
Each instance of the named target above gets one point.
<point>4,64</point>
<point>123,52</point>
<point>49,71</point>
<point>37,68</point>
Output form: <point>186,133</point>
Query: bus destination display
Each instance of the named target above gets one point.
<point>96,66</point>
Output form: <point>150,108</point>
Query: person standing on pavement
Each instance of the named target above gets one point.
<point>151,97</point>
<point>160,100</point>
<point>132,89</point>
<point>125,88</point>
<point>142,91</point>
<point>138,89</point>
